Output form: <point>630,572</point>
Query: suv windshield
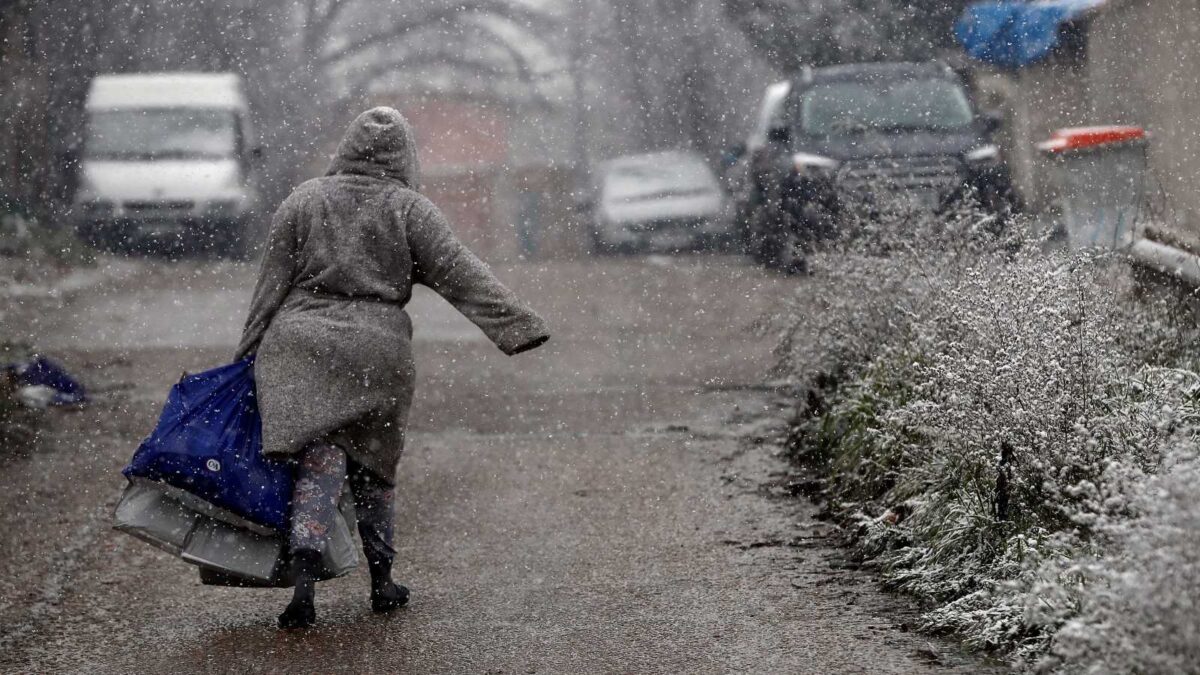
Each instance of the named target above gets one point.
<point>162,134</point>
<point>844,108</point>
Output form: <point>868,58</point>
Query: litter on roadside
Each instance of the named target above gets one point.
<point>41,383</point>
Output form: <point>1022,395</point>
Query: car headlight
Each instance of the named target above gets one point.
<point>984,155</point>
<point>814,166</point>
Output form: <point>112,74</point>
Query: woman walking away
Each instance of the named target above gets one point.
<point>333,364</point>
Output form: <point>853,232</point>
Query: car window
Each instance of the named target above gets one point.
<point>853,107</point>
<point>658,177</point>
<point>168,133</point>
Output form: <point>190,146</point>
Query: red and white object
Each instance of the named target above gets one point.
<point>1101,182</point>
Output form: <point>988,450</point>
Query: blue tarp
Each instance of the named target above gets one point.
<point>1016,34</point>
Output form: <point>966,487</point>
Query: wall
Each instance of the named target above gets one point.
<point>500,172</point>
<point>1036,101</point>
<point>1144,68</point>
<point>462,146</point>
<point>1141,66</point>
<point>1055,96</point>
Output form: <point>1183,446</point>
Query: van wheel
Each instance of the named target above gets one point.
<point>601,247</point>
<point>237,247</point>
<point>232,242</point>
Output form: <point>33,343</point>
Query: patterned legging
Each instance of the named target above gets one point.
<point>322,472</point>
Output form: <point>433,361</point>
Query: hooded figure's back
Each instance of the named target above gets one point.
<point>333,341</point>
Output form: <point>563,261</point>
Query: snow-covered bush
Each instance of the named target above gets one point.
<point>989,402</point>
<point>1139,610</point>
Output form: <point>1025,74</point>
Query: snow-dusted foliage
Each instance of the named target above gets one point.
<point>1138,612</point>
<point>988,407</point>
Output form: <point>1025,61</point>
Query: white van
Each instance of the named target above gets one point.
<point>168,161</point>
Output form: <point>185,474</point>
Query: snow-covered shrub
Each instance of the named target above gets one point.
<point>1138,596</point>
<point>995,399</point>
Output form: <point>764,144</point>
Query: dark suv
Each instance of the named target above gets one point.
<point>855,132</point>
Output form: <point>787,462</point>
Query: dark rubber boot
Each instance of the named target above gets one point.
<point>301,612</point>
<point>386,595</point>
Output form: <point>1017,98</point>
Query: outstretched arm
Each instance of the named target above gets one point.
<point>275,276</point>
<point>443,263</point>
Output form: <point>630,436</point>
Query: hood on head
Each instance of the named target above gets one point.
<point>379,143</point>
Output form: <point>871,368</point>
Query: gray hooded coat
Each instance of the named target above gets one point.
<point>333,342</point>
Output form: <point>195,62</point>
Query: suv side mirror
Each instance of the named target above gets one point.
<point>779,134</point>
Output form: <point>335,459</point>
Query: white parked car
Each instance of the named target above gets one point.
<point>168,159</point>
<point>657,201</point>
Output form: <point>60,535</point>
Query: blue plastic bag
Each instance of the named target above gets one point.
<point>208,444</point>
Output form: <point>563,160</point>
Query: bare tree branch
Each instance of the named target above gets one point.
<point>440,58</point>
<point>518,65</point>
<point>499,8</point>
<point>318,26</point>
<point>520,62</point>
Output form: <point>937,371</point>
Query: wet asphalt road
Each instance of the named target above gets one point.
<point>593,506</point>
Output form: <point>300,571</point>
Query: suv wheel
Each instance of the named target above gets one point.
<point>785,252</point>
<point>780,245</point>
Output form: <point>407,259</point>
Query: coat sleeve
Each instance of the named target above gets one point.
<point>275,276</point>
<point>444,264</point>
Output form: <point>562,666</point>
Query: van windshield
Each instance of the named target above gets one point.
<point>162,134</point>
<point>846,108</point>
